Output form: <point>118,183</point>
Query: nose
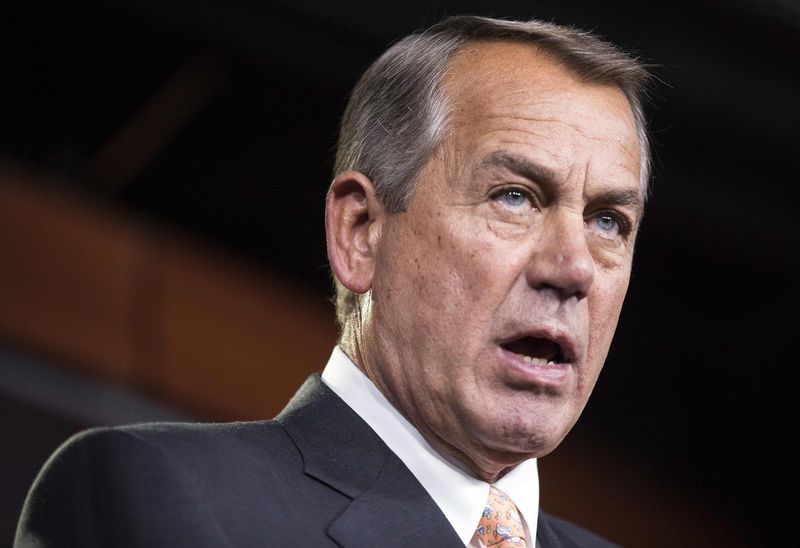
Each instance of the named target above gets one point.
<point>561,259</point>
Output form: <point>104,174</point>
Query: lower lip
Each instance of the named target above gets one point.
<point>551,374</point>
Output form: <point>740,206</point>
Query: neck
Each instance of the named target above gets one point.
<point>480,462</point>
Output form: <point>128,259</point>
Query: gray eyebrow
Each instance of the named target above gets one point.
<point>627,198</point>
<point>522,166</point>
<point>537,172</point>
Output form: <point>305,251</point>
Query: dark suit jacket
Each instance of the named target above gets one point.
<point>317,475</point>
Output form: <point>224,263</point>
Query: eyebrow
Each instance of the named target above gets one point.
<point>537,172</point>
<point>521,166</point>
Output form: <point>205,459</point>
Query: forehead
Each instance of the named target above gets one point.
<point>487,73</point>
<point>513,94</point>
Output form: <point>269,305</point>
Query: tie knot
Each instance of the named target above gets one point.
<point>500,525</point>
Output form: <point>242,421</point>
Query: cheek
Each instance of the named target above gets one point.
<point>604,311</point>
<point>414,275</point>
<point>473,268</point>
<point>437,280</point>
<point>429,260</point>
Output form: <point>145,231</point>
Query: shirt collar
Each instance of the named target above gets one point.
<point>460,496</point>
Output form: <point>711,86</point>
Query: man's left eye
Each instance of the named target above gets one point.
<point>605,224</point>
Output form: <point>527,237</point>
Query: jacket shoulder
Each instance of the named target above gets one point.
<point>142,479</point>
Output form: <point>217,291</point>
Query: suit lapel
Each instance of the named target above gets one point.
<point>389,507</point>
<point>395,512</point>
<point>338,447</point>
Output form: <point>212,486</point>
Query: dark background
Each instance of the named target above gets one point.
<point>698,384</point>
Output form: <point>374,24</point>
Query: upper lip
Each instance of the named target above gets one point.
<point>562,338</point>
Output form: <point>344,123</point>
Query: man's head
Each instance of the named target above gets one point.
<point>490,181</point>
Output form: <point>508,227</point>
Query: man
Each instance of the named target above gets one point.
<point>489,183</point>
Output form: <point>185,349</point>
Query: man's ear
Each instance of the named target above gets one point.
<point>354,217</point>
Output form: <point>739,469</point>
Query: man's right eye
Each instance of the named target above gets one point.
<point>512,197</point>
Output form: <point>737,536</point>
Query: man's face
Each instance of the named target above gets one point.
<point>496,294</point>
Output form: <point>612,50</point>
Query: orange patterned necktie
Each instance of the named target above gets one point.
<point>500,524</point>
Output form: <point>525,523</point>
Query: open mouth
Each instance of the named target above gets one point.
<point>536,350</point>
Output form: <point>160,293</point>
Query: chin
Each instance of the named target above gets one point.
<point>530,436</point>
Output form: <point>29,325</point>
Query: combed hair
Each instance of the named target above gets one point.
<point>398,111</point>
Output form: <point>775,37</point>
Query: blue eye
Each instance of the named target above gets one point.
<point>512,198</point>
<point>607,225</point>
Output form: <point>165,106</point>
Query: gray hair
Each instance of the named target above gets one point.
<point>398,111</point>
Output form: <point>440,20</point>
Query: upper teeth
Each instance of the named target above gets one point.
<point>536,361</point>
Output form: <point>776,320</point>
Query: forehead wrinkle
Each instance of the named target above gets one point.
<point>523,118</point>
<point>543,132</point>
<point>475,83</point>
<point>562,117</point>
<point>620,144</point>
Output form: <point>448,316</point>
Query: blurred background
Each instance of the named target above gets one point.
<point>163,166</point>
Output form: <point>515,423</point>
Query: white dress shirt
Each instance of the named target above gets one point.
<point>460,496</point>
